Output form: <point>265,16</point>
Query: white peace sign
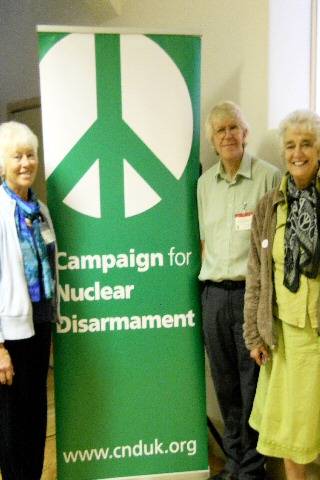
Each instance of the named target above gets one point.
<point>156,105</point>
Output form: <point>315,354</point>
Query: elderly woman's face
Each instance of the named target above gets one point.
<point>301,155</point>
<point>20,169</point>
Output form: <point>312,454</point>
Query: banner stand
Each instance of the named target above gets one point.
<point>121,123</point>
<point>170,476</point>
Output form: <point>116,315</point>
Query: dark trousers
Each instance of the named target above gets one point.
<point>234,376</point>
<point>23,407</point>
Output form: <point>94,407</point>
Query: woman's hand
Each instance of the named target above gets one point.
<point>6,367</point>
<point>260,355</point>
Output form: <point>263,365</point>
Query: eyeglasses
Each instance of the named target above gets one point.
<point>222,131</point>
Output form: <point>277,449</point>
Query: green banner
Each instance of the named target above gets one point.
<point>121,140</point>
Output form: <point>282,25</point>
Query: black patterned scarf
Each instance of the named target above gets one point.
<point>301,241</point>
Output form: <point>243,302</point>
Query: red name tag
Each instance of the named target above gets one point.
<point>243,220</point>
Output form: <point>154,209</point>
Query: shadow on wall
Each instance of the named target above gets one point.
<point>230,90</point>
<point>269,149</point>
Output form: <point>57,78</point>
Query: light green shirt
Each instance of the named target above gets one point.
<point>292,308</point>
<point>225,209</point>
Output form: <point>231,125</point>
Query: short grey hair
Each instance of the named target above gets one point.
<point>301,120</point>
<point>12,135</point>
<point>225,109</point>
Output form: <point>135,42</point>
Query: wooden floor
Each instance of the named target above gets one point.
<point>50,470</point>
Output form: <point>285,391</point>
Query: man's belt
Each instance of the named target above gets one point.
<point>228,284</point>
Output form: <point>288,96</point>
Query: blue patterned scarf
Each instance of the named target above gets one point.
<point>34,251</point>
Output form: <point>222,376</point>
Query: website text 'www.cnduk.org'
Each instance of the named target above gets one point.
<point>140,449</point>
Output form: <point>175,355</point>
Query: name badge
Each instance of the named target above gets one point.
<point>243,220</point>
<point>46,233</point>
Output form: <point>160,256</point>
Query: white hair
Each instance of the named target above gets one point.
<point>301,120</point>
<point>15,134</point>
<point>226,109</point>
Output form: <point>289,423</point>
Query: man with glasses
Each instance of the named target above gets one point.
<point>227,196</point>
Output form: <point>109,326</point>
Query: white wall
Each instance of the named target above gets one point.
<point>289,57</point>
<point>18,39</point>
<point>239,39</point>
<point>234,51</point>
<point>234,55</point>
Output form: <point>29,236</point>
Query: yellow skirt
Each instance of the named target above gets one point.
<point>286,409</point>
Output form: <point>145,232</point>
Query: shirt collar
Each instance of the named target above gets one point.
<point>243,171</point>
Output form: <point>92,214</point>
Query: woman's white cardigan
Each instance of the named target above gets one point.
<point>15,305</point>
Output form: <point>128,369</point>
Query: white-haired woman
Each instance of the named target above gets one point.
<point>282,316</point>
<point>27,306</point>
